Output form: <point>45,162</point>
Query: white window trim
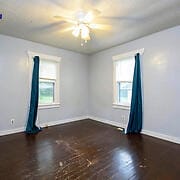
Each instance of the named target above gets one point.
<point>120,106</point>
<point>128,54</point>
<point>118,58</point>
<point>31,55</point>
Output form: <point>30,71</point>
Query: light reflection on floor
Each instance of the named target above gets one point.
<point>125,163</point>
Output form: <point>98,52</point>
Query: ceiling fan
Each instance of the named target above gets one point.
<point>82,22</point>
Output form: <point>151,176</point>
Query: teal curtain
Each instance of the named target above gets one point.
<point>135,117</point>
<point>31,127</point>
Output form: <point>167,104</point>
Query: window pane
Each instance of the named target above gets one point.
<point>125,69</point>
<point>48,69</point>
<point>124,92</point>
<point>46,92</point>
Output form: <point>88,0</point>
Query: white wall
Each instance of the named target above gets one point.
<point>161,85</point>
<point>86,83</point>
<point>14,83</point>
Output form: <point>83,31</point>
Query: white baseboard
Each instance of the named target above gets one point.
<point>161,136</point>
<point>146,132</point>
<point>106,121</point>
<point>52,123</point>
<point>63,121</point>
<point>11,131</point>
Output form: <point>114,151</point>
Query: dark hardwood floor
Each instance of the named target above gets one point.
<point>87,150</point>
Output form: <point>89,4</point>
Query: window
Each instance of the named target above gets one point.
<point>48,80</point>
<point>123,69</point>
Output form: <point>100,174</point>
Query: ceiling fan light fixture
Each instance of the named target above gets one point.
<point>80,15</point>
<point>82,28</point>
<point>84,32</point>
<point>89,17</point>
<point>76,31</point>
<point>82,21</point>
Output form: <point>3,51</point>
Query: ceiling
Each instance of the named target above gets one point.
<point>127,19</point>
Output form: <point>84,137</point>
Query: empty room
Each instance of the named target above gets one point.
<point>90,90</point>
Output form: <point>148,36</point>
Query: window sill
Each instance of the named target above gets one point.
<point>49,106</point>
<point>119,106</point>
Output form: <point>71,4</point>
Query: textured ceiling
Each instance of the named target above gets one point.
<point>128,20</point>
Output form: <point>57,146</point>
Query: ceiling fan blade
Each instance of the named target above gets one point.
<point>90,15</point>
<point>66,29</point>
<point>117,18</point>
<point>96,12</point>
<point>100,26</point>
<point>51,27</point>
<point>67,19</point>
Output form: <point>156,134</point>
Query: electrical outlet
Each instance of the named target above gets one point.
<point>12,121</point>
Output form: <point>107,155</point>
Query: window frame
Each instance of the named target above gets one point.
<point>47,57</point>
<point>115,59</point>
